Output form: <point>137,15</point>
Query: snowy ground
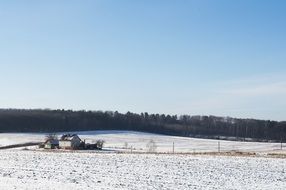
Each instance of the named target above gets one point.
<point>124,140</point>
<point>34,169</point>
<point>21,169</point>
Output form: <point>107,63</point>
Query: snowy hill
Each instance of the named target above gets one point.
<point>124,140</point>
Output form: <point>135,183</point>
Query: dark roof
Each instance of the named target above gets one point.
<point>68,137</point>
<point>52,141</point>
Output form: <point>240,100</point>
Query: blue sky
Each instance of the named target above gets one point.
<point>222,57</point>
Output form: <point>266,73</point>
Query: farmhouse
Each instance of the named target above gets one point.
<point>70,141</point>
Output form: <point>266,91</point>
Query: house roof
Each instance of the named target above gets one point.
<point>52,141</point>
<point>69,137</point>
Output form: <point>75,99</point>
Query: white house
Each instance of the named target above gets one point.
<point>70,141</point>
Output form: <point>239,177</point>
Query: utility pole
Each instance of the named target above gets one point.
<point>218,144</point>
<point>173,148</point>
<point>281,144</point>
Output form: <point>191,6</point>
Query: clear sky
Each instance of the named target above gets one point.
<point>224,58</point>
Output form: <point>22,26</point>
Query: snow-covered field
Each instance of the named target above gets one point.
<point>124,140</point>
<point>21,169</point>
<point>34,169</point>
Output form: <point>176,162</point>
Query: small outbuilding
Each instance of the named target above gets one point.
<point>51,144</point>
<point>70,141</point>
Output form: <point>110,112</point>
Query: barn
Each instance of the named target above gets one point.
<point>70,141</point>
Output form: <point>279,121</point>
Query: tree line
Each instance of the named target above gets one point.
<point>49,121</point>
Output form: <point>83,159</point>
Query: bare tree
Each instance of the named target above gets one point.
<point>51,136</point>
<point>99,144</point>
<point>151,146</point>
<point>126,145</point>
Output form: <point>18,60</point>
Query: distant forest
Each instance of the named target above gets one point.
<point>50,121</point>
